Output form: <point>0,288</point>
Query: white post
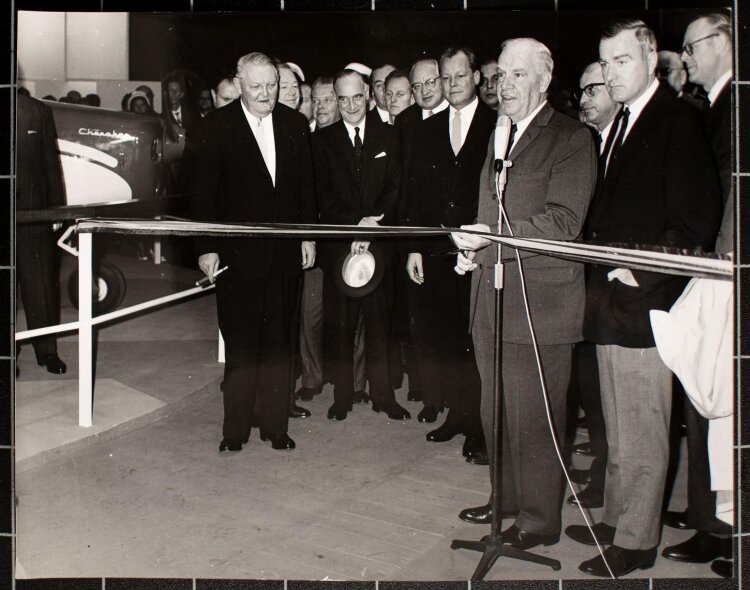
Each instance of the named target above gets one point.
<point>157,246</point>
<point>85,351</point>
<point>221,354</point>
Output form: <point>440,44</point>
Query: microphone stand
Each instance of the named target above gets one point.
<point>491,546</point>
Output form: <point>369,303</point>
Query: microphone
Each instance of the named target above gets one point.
<point>502,136</point>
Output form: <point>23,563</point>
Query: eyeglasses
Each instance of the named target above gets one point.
<point>349,100</point>
<point>688,48</point>
<point>589,90</point>
<point>428,84</point>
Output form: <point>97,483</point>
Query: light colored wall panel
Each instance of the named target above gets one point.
<point>97,46</point>
<point>41,45</point>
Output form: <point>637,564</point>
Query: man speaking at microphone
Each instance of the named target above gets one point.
<point>548,191</point>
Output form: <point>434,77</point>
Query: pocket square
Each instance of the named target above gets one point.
<point>381,155</point>
<point>30,131</point>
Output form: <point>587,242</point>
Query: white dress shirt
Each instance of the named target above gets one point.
<point>385,116</point>
<point>719,86</point>
<point>441,107</point>
<point>351,132</point>
<point>269,152</point>
<point>467,115</point>
<point>524,123</point>
<point>637,106</point>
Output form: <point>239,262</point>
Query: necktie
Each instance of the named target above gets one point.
<point>456,133</point>
<point>430,113</point>
<point>624,115</point>
<point>357,154</point>
<point>511,139</point>
<point>177,117</point>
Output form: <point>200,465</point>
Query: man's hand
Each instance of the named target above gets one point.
<point>308,255</point>
<point>361,246</point>
<point>465,262</point>
<point>209,264</point>
<point>471,241</point>
<point>414,267</point>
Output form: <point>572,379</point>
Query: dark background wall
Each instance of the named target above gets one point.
<point>323,42</point>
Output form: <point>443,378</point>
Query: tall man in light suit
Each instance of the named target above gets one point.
<point>659,188</point>
<point>255,164</point>
<point>547,195</point>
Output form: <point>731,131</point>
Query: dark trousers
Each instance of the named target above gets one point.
<point>39,282</point>
<point>341,316</point>
<point>255,318</point>
<point>584,388</point>
<point>439,308</point>
<point>701,500</point>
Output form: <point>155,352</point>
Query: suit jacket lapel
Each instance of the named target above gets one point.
<point>534,129</point>
<point>247,140</point>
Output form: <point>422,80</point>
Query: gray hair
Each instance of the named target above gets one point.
<point>720,21</point>
<point>542,56</point>
<point>257,59</point>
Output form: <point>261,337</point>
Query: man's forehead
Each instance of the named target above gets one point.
<point>400,81</point>
<point>353,84</point>
<point>458,61</point>
<point>322,89</point>
<point>696,29</point>
<point>424,69</point>
<point>624,43</point>
<point>592,76</point>
<point>515,57</point>
<point>258,71</point>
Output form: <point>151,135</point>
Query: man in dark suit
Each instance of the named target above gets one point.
<point>659,189</point>
<point>255,165</point>
<point>357,180</point>
<point>39,184</point>
<point>442,186</point>
<point>707,53</point>
<point>547,195</point>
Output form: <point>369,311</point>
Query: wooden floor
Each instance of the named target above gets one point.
<point>362,499</point>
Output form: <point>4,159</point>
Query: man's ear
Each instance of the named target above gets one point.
<point>545,81</point>
<point>477,77</point>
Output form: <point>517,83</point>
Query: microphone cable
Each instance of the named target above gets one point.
<point>545,395</point>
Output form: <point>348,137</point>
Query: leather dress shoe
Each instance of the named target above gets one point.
<point>337,412</point>
<point>445,432</point>
<point>521,539</point>
<point>580,476</point>
<point>361,397</point>
<point>414,396</point>
<point>299,412</point>
<point>475,450</point>
<point>580,532</point>
<point>583,449</point>
<point>588,497</point>
<point>722,567</point>
<point>702,547</point>
<point>428,414</point>
<point>392,410</point>
<point>227,444</point>
<point>483,514</point>
<point>306,394</point>
<point>621,561</point>
<point>280,442</point>
<point>676,520</point>
<point>52,363</point>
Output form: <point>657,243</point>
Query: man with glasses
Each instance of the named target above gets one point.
<point>377,86</point>
<point>254,163</point>
<point>658,188</point>
<point>357,177</point>
<point>488,85</point>
<point>707,54</point>
<point>598,110</point>
<point>442,188</point>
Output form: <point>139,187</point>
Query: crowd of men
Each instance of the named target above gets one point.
<point>644,164</point>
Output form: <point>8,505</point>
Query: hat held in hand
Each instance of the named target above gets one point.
<point>361,272</point>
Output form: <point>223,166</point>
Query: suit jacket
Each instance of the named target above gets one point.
<point>718,121</point>
<point>442,188</point>
<point>340,199</point>
<point>405,123</point>
<point>660,189</point>
<point>39,180</point>
<point>547,195</point>
<point>232,184</point>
